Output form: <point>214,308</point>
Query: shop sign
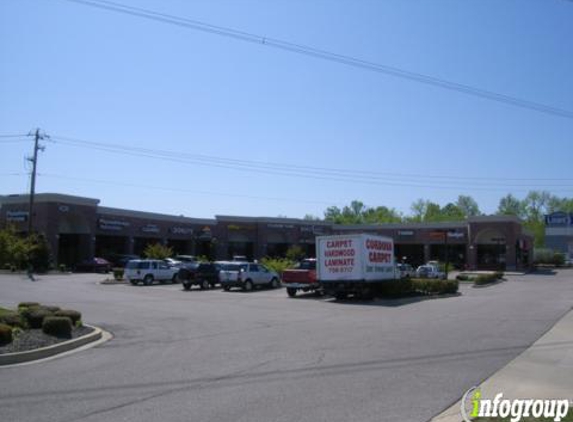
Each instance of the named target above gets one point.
<point>114,225</point>
<point>150,228</point>
<point>182,230</point>
<point>558,219</point>
<point>455,235</point>
<point>17,216</point>
<point>280,226</point>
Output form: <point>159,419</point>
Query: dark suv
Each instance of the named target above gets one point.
<point>204,275</point>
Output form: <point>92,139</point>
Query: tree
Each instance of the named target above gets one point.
<point>333,214</point>
<point>381,215</point>
<point>510,205</point>
<point>419,208</point>
<point>157,251</point>
<point>535,205</point>
<point>468,206</point>
<point>311,217</point>
<point>295,253</point>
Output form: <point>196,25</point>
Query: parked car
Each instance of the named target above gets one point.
<point>186,258</point>
<point>405,270</point>
<point>149,270</point>
<point>302,277</point>
<point>119,260</point>
<point>429,271</point>
<point>94,265</point>
<point>173,262</point>
<point>204,275</point>
<point>247,276</point>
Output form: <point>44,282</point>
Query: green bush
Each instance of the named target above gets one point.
<point>12,319</point>
<point>157,251</point>
<point>5,334</point>
<point>431,286</point>
<point>34,317</point>
<point>463,277</point>
<point>558,259</point>
<point>118,273</point>
<point>395,288</point>
<point>58,326</point>
<point>28,305</point>
<point>277,264</point>
<point>74,316</point>
<point>499,275</point>
<point>484,279</point>
<point>52,309</point>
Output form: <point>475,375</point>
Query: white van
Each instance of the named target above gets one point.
<point>149,270</point>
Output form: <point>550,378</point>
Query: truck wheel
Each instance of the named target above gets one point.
<point>248,286</point>
<point>291,292</point>
<point>205,285</point>
<point>274,283</point>
<point>133,282</point>
<point>187,286</point>
<point>148,280</point>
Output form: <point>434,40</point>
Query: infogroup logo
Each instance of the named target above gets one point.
<point>516,409</point>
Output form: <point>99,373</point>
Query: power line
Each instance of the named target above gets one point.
<point>290,168</point>
<point>179,190</point>
<point>300,171</point>
<point>325,55</point>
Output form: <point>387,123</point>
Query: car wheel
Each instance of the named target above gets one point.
<point>226,288</point>
<point>148,280</point>
<point>187,286</point>
<point>133,282</point>
<point>248,286</point>
<point>340,295</point>
<point>291,292</point>
<point>274,283</point>
<point>205,285</point>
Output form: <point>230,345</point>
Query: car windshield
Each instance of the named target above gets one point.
<point>307,265</point>
<point>231,267</point>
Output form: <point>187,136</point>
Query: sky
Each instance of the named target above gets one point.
<point>199,124</point>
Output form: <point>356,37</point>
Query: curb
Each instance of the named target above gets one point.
<point>483,286</point>
<point>55,349</point>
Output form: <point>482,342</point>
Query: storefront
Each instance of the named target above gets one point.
<point>78,228</point>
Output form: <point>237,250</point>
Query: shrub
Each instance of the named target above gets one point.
<point>558,259</point>
<point>5,334</point>
<point>12,319</point>
<point>74,316</point>
<point>157,251</point>
<point>58,326</point>
<point>34,317</point>
<point>395,288</point>
<point>463,277</point>
<point>433,286</point>
<point>277,264</point>
<point>484,279</point>
<point>498,274</point>
<point>51,309</point>
<point>118,273</point>
<point>28,305</point>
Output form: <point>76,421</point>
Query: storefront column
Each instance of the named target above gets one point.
<point>472,257</point>
<point>426,253</point>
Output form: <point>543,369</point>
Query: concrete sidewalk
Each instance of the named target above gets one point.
<point>544,371</point>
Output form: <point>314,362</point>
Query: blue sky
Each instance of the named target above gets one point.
<point>99,76</point>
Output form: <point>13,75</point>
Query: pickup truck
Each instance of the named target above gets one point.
<point>247,276</point>
<point>302,277</point>
<point>205,275</point>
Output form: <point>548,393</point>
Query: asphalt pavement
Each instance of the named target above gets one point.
<point>260,356</point>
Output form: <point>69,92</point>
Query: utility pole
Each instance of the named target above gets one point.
<point>34,160</point>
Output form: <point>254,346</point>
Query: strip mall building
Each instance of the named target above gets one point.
<point>78,228</point>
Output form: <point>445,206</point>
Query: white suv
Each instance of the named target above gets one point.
<point>247,276</point>
<point>149,270</point>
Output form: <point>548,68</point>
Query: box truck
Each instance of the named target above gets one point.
<point>354,264</point>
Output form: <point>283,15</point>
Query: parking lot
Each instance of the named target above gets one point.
<point>210,355</point>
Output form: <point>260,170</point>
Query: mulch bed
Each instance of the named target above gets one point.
<point>34,339</point>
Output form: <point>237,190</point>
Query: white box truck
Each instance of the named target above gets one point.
<point>354,263</point>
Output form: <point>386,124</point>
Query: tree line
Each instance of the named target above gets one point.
<point>531,209</point>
